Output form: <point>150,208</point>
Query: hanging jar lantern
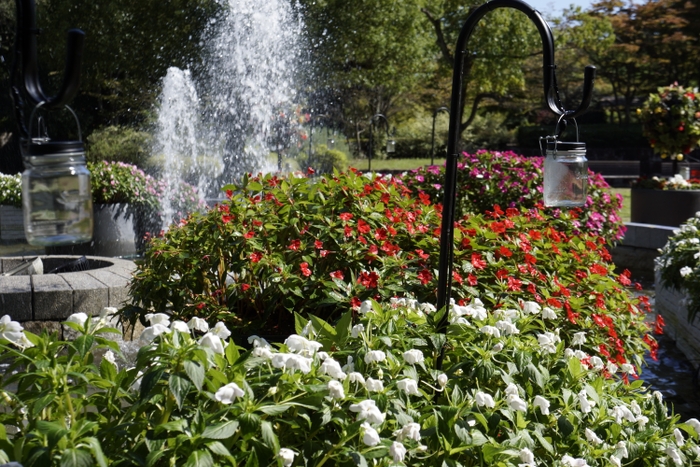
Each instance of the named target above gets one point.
<point>565,171</point>
<point>56,191</point>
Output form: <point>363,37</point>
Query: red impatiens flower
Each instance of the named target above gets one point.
<point>318,244</point>
<point>477,261</point>
<point>225,218</point>
<point>514,285</point>
<point>355,303</point>
<point>305,269</point>
<point>363,227</point>
<point>457,278</point>
<point>346,216</point>
<point>503,251</point>
<point>249,234</point>
<point>471,280</point>
<point>624,278</point>
<point>229,194</point>
<point>599,269</point>
<point>425,276</point>
<point>256,256</point>
<point>659,325</point>
<point>422,254</point>
<point>245,287</point>
<point>368,279</point>
<point>295,244</point>
<point>337,275</point>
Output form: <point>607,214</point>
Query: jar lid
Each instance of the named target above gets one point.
<point>42,147</point>
<point>553,145</point>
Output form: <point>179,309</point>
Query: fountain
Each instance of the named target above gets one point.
<point>215,122</point>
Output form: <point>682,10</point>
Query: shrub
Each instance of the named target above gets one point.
<point>677,182</point>
<point>280,246</point>
<point>679,263</point>
<point>671,119</point>
<point>324,160</point>
<point>486,178</point>
<point>118,144</point>
<point>367,389</point>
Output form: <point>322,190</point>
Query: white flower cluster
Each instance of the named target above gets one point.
<point>13,332</point>
<point>213,339</point>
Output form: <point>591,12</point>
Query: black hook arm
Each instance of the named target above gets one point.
<point>26,35</point>
<point>551,98</point>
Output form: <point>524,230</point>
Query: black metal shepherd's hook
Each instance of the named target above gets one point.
<point>551,97</point>
<point>25,74</point>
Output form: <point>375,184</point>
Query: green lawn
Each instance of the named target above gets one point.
<point>625,192</point>
<point>393,164</point>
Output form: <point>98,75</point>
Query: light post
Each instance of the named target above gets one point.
<point>450,183</point>
<point>390,143</point>
<point>432,138</point>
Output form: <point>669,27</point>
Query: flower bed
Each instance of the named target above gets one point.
<point>509,180</point>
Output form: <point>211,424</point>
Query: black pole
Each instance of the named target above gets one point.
<point>450,184</point>
<point>371,141</point>
<point>432,139</point>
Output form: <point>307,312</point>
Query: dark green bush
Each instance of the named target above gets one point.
<point>119,144</point>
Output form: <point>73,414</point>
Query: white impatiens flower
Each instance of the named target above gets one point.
<point>349,367</point>
<point>597,363</point>
<point>368,410</point>
<point>621,412</point>
<point>370,436</point>
<point>375,385</point>
<point>229,393</point>
<point>548,341</point>
<point>507,327</point>
<point>508,314</point>
<point>158,318</point>
<point>442,380</point>
<point>586,405</point>
<point>409,386</point>
<point>516,403</point>
<point>375,356</point>
<point>78,318</point>
<point>592,438</point>
<point>680,440</point>
<point>357,330</point>
<point>258,341</point>
<point>548,313</point>
<point>397,451</point>
<point>366,307</point>
<point>213,342</point>
<point>221,331</point>
<point>13,332</point>
<point>179,326</point>
<point>642,421</point>
<point>198,324</point>
<point>615,461</point>
<point>409,431</point>
<point>497,348</point>
<point>569,461</point>
<point>355,377</point>
<point>291,361</point>
<point>476,310</point>
<point>527,458</point>
<point>694,423</point>
<point>484,400</point>
<point>332,368</point>
<point>287,456</point>
<point>152,332</point>
<point>413,356</point>
<point>490,330</point>
<point>542,403</point>
<point>579,338</point>
<point>512,389</point>
<point>686,270</point>
<point>673,454</point>
<point>531,308</point>
<point>110,357</point>
<point>335,389</point>
<point>301,345</point>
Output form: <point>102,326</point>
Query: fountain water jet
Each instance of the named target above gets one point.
<point>220,117</point>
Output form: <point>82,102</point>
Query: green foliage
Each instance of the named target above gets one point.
<point>488,178</point>
<point>679,263</point>
<point>324,160</point>
<point>671,119</point>
<point>118,144</point>
<point>11,190</point>
<point>367,388</point>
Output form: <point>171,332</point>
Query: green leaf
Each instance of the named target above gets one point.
<point>232,353</point>
<point>269,436</point>
<point>148,382</point>
<point>565,426</point>
<point>219,449</point>
<point>221,431</point>
<point>83,344</point>
<point>76,458</point>
<point>96,449</point>
<point>195,371</point>
<point>543,442</point>
<point>274,409</point>
<point>179,387</point>
<point>41,403</point>
<point>53,430</point>
<point>252,459</point>
<point>107,370</point>
<point>200,458</point>
<point>322,327</point>
<point>343,327</point>
<point>358,459</point>
<point>299,323</point>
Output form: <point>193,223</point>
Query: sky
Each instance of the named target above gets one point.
<point>555,7</point>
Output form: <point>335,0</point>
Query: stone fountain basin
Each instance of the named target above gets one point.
<point>43,301</point>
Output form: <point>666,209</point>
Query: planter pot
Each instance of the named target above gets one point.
<point>663,207</point>
<point>118,232</point>
<point>11,224</point>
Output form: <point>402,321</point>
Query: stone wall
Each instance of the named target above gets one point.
<point>671,305</point>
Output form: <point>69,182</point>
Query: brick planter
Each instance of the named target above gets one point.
<point>671,305</point>
<point>663,207</point>
<point>43,301</point>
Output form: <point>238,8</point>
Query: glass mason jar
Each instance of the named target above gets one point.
<point>56,193</point>
<point>565,174</point>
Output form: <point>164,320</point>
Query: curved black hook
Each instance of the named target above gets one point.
<point>551,98</point>
<point>26,44</point>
